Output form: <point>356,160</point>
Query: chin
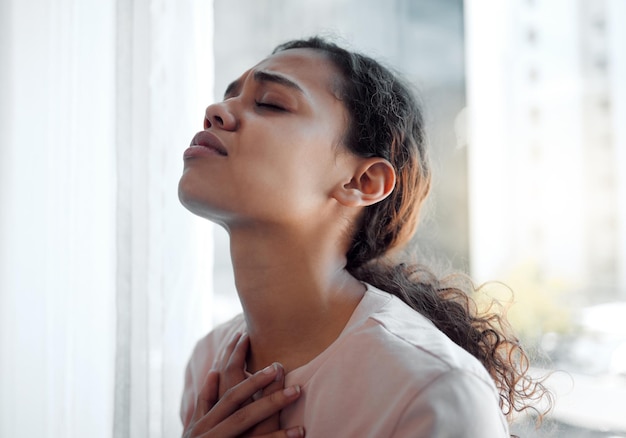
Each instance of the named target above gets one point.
<point>199,206</point>
<point>188,197</point>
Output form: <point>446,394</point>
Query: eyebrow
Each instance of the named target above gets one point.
<point>264,76</point>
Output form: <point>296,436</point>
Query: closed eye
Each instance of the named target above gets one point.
<point>270,106</point>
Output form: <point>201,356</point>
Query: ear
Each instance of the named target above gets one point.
<point>372,181</point>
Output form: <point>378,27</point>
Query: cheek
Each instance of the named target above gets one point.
<point>284,155</point>
<point>287,189</point>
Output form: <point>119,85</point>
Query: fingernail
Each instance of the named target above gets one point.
<point>279,371</point>
<point>270,369</point>
<point>291,391</point>
<point>296,432</point>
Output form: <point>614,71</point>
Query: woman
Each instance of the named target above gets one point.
<point>316,165</point>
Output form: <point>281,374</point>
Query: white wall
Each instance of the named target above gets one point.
<point>57,278</point>
<point>104,277</point>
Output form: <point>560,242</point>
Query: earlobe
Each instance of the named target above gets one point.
<point>373,180</point>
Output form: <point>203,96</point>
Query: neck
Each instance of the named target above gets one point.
<point>291,289</point>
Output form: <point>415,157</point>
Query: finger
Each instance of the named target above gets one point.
<point>294,432</point>
<point>246,417</point>
<point>271,423</point>
<point>239,353</point>
<point>236,396</point>
<point>279,380</point>
<point>233,371</point>
<point>207,396</point>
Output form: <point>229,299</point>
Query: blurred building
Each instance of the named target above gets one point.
<point>547,141</point>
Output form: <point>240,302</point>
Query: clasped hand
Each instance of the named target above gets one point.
<point>233,403</point>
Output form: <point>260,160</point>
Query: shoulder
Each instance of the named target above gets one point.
<point>202,359</point>
<point>400,376</point>
<point>441,389</point>
<point>456,403</point>
<point>407,338</point>
<point>207,347</point>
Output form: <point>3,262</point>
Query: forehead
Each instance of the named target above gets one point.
<point>310,69</point>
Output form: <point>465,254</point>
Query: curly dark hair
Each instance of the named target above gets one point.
<point>387,121</point>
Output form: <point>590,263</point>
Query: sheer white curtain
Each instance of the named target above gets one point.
<point>104,278</point>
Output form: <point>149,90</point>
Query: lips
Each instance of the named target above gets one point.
<point>209,140</point>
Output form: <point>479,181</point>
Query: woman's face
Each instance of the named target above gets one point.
<point>271,151</point>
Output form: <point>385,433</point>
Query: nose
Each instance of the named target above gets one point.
<point>221,116</point>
